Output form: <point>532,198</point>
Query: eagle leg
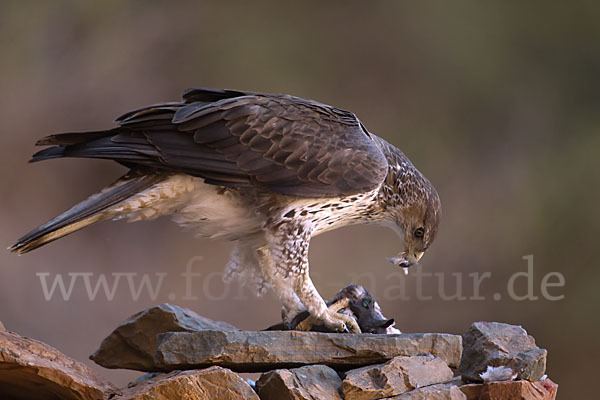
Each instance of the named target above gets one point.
<point>292,305</point>
<point>287,272</point>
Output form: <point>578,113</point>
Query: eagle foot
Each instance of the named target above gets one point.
<point>332,319</point>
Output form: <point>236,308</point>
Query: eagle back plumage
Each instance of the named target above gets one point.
<point>282,143</point>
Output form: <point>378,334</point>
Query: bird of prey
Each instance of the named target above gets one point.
<point>268,171</point>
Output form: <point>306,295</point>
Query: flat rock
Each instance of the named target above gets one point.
<point>471,390</point>
<point>34,370</point>
<point>208,384</point>
<point>519,390</point>
<point>441,391</point>
<point>496,344</point>
<point>500,390</point>
<point>400,374</point>
<point>258,351</point>
<point>133,343</point>
<point>304,383</point>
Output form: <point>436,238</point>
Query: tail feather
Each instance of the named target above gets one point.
<point>49,153</point>
<point>94,145</point>
<point>95,208</point>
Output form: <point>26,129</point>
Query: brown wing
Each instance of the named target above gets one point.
<point>282,143</point>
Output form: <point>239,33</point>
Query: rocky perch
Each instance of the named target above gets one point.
<point>192,357</point>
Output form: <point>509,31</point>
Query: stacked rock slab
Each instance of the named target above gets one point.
<point>133,343</point>
<point>310,382</point>
<point>252,351</point>
<point>539,390</point>
<point>207,384</point>
<point>166,338</point>
<point>397,376</point>
<point>494,344</point>
<point>34,370</point>
<point>305,365</point>
<point>440,391</point>
<point>201,354</point>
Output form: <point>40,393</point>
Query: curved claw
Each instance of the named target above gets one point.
<point>340,322</point>
<point>332,319</point>
<point>353,326</point>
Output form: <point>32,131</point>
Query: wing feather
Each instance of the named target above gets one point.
<point>281,143</point>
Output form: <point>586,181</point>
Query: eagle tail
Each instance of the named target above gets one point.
<point>95,208</point>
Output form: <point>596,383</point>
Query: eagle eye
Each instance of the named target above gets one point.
<point>419,232</point>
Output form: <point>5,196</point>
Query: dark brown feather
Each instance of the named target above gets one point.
<point>282,143</point>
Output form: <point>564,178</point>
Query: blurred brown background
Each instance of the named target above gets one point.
<point>497,104</point>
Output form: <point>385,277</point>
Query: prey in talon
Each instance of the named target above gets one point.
<point>267,171</point>
<point>354,301</point>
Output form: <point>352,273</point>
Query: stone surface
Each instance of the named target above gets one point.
<point>501,390</point>
<point>208,384</point>
<point>2,328</point>
<point>304,383</point>
<point>519,390</point>
<point>133,344</point>
<point>497,344</point>
<point>471,390</point>
<point>251,351</point>
<point>441,391</point>
<point>399,375</point>
<point>34,370</point>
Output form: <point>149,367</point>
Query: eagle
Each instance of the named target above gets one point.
<point>267,171</point>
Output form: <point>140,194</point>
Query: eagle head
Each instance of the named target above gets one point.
<point>415,216</point>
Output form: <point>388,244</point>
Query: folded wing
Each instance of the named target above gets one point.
<point>281,143</point>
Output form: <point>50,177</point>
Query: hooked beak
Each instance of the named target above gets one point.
<point>405,260</point>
